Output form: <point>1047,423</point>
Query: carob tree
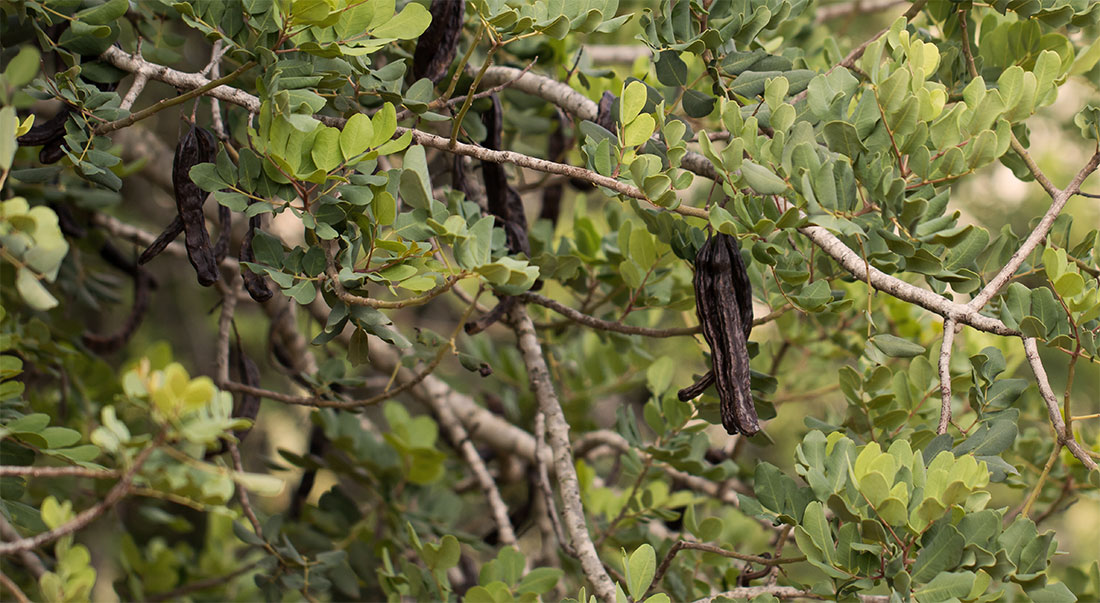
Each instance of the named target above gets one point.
<point>867,187</point>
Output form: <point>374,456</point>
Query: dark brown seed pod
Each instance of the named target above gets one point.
<point>245,406</point>
<point>124,262</point>
<point>255,284</point>
<point>604,119</point>
<point>53,151</point>
<point>46,131</point>
<point>175,227</point>
<point>723,301</point>
<point>491,317</point>
<point>503,201</point>
<point>225,227</point>
<point>551,195</point>
<point>197,146</point>
<point>437,46</point>
<point>318,445</point>
<point>505,204</point>
<point>107,344</point>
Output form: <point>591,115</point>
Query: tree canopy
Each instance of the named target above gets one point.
<point>499,300</point>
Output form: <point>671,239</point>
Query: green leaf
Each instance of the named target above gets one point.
<point>896,347</point>
<point>357,135</point>
<point>267,249</point>
<point>631,103</point>
<point>817,527</point>
<point>946,586</point>
<point>383,124</point>
<point>22,68</point>
<point>698,104</point>
<point>637,132</point>
<point>32,290</point>
<point>105,13</point>
<point>557,29</point>
<point>416,185</point>
<point>640,570</point>
<point>206,177</point>
<point>941,554</point>
<point>8,124</point>
<point>540,580</point>
<point>761,179</point>
<point>326,151</point>
<point>659,375</point>
<point>842,137</point>
<point>992,438</point>
<point>671,69</point>
<point>412,21</point>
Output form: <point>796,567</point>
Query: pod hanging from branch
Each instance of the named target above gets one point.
<point>108,344</point>
<point>437,46</point>
<point>723,301</point>
<point>504,203</point>
<point>254,283</point>
<point>175,227</point>
<point>245,406</point>
<point>555,151</point>
<point>197,146</point>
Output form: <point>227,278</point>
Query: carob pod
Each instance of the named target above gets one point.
<point>255,284</point>
<point>504,203</point>
<point>124,262</point>
<point>106,344</point>
<point>175,227</point>
<point>551,195</point>
<point>197,146</point>
<point>225,225</point>
<point>318,445</point>
<point>437,46</point>
<point>245,406</point>
<point>604,119</point>
<point>51,129</point>
<point>723,301</point>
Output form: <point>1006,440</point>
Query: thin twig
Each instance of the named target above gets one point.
<point>7,583</point>
<point>140,80</point>
<point>606,325</point>
<point>242,493</point>
<point>440,103</point>
<point>171,102</point>
<point>229,291</point>
<point>544,485</point>
<point>29,559</point>
<point>204,584</point>
<point>1026,509</point>
<point>710,548</point>
<point>6,470</point>
<point>1031,351</point>
<point>89,515</point>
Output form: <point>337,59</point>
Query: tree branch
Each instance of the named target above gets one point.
<point>949,330</point>
<point>605,325</point>
<point>1058,201</point>
<point>574,101</point>
<point>1031,350</point>
<point>710,548</point>
<point>89,515</point>
<point>558,429</point>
